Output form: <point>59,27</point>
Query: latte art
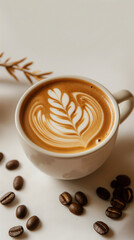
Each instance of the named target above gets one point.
<point>74,119</point>
<point>67,120</point>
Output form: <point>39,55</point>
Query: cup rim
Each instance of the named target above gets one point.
<point>66,155</point>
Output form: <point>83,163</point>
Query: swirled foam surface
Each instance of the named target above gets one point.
<point>67,116</point>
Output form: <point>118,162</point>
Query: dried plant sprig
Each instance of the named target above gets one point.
<point>11,67</point>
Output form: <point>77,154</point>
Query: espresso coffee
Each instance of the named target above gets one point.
<point>67,116</point>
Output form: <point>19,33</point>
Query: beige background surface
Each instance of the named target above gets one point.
<point>90,38</point>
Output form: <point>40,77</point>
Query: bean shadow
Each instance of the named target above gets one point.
<point>2,160</point>
<point>110,234</point>
<point>23,236</point>
<point>14,203</point>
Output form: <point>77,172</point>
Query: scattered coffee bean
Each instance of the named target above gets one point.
<point>1,156</point>
<point>16,231</point>
<point>21,211</point>
<point>123,180</point>
<point>13,164</point>
<point>118,203</point>
<point>65,198</point>
<point>7,198</point>
<point>101,227</point>
<point>76,208</point>
<point>32,223</point>
<point>114,184</point>
<point>118,192</point>
<point>103,193</point>
<point>18,183</point>
<point>81,198</point>
<point>113,212</point>
<point>128,195</point>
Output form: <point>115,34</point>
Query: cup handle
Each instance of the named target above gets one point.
<point>127,107</point>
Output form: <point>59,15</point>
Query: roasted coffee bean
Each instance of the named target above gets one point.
<point>118,192</point>
<point>101,227</point>
<point>13,164</point>
<point>123,180</point>
<point>118,203</point>
<point>128,195</point>
<point>103,193</point>
<point>114,184</point>
<point>21,211</point>
<point>7,198</point>
<point>65,198</point>
<point>76,208</point>
<point>18,183</point>
<point>81,198</point>
<point>1,156</point>
<point>113,212</point>
<point>32,223</point>
<point>16,231</point>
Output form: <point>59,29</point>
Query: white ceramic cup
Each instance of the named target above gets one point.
<point>75,165</point>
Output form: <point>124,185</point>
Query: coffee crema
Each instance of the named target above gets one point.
<point>67,116</point>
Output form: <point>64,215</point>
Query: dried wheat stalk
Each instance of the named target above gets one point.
<point>11,67</point>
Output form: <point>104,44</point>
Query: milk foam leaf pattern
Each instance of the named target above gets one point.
<point>62,116</point>
<point>72,119</point>
<point>67,119</point>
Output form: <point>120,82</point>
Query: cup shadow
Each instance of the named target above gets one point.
<point>127,232</point>
<point>120,162</point>
<point>9,98</point>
